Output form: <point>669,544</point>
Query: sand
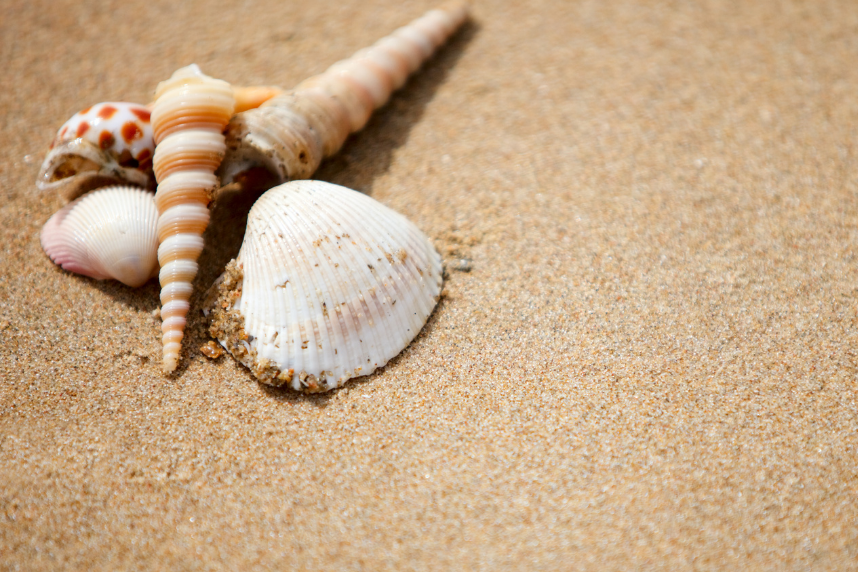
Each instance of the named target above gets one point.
<point>651,363</point>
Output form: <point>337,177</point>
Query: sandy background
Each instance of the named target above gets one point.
<point>652,363</point>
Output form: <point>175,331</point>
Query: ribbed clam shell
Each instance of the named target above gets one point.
<point>190,113</point>
<point>289,135</point>
<point>109,141</point>
<point>109,233</point>
<point>329,284</point>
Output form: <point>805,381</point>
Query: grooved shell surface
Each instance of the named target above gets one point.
<point>108,233</point>
<point>329,285</point>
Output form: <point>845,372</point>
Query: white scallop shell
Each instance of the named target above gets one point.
<point>329,285</point>
<point>108,233</point>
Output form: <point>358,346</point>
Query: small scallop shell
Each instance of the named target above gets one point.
<point>190,113</point>
<point>108,142</point>
<point>329,285</point>
<point>109,233</point>
<point>289,135</point>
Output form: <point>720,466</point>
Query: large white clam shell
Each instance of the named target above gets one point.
<point>108,233</point>
<point>329,285</point>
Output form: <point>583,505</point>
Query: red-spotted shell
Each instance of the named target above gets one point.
<point>107,143</point>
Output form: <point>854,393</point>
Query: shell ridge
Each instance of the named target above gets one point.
<point>295,297</point>
<point>415,275</point>
<point>268,299</point>
<point>105,234</point>
<point>410,274</point>
<point>336,276</point>
<point>346,209</point>
<point>258,273</point>
<point>353,209</point>
<point>372,232</point>
<point>329,332</point>
<point>356,321</point>
<point>301,234</point>
<point>398,276</point>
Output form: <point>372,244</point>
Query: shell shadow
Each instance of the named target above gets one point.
<point>144,298</point>
<point>368,153</point>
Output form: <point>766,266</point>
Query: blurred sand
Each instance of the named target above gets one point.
<point>651,365</point>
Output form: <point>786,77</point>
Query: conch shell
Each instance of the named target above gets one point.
<point>288,136</point>
<point>191,110</point>
<point>329,285</point>
<point>107,143</point>
<point>108,233</point>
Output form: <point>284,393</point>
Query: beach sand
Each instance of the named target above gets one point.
<point>651,363</point>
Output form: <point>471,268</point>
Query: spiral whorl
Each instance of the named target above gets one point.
<point>290,134</point>
<point>191,110</point>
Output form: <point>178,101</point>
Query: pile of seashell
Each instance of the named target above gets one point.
<point>329,284</point>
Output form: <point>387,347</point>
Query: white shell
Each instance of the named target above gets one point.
<point>329,285</point>
<point>108,233</point>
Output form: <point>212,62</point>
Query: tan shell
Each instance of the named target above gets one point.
<point>329,285</point>
<point>109,233</point>
<point>289,135</point>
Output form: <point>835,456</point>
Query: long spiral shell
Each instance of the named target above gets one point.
<point>290,134</point>
<point>191,110</point>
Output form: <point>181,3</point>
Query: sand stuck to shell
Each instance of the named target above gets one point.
<point>329,285</point>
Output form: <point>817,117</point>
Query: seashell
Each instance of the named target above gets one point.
<point>107,143</point>
<point>289,135</point>
<point>251,97</point>
<point>112,143</point>
<point>191,110</point>
<point>109,233</point>
<point>329,285</point>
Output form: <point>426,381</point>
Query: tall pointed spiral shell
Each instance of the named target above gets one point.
<point>329,284</point>
<point>191,110</point>
<point>109,233</point>
<point>289,135</point>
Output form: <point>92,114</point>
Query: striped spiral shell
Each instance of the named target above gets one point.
<point>191,110</point>
<point>289,135</point>
<point>329,285</point>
